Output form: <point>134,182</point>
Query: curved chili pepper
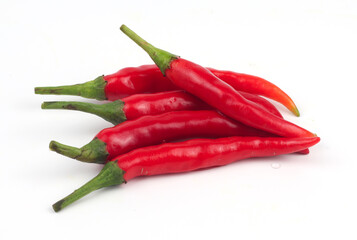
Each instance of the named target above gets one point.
<point>256,85</point>
<point>152,130</point>
<point>139,105</point>
<point>148,79</point>
<point>184,157</point>
<point>135,106</point>
<point>201,83</point>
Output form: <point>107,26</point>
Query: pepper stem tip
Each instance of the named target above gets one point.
<point>112,112</point>
<point>65,150</point>
<point>110,175</point>
<point>93,152</point>
<point>58,205</point>
<point>161,58</point>
<point>93,89</point>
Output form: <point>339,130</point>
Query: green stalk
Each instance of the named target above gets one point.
<point>110,175</point>
<point>92,89</point>
<point>94,152</point>
<point>161,58</point>
<point>112,112</point>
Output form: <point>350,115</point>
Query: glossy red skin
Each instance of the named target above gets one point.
<point>139,105</point>
<point>254,85</point>
<point>149,79</point>
<point>134,80</point>
<point>261,102</point>
<point>203,84</point>
<point>171,126</point>
<point>204,153</point>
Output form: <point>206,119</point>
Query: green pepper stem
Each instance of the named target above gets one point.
<point>94,152</point>
<point>92,89</point>
<point>110,175</point>
<point>65,150</point>
<point>161,58</point>
<point>112,112</point>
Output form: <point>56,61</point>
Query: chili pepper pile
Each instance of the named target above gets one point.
<point>155,107</point>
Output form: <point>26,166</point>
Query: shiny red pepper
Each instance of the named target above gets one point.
<point>148,79</point>
<point>139,105</point>
<point>184,157</point>
<point>152,130</point>
<point>201,83</point>
<point>136,80</point>
<point>256,85</point>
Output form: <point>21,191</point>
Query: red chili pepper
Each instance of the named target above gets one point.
<point>136,80</point>
<point>139,105</point>
<point>148,79</point>
<point>256,85</point>
<point>203,84</point>
<point>135,106</point>
<point>184,157</point>
<point>152,130</point>
<point>261,102</point>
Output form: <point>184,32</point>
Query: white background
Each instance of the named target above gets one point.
<point>308,48</point>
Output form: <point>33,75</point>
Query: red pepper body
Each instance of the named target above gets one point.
<point>261,102</point>
<point>203,84</point>
<point>255,85</point>
<point>184,157</point>
<point>203,153</point>
<point>149,79</point>
<point>151,130</point>
<point>139,105</point>
<point>134,80</point>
